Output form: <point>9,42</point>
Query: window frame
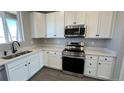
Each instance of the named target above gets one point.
<point>19,27</point>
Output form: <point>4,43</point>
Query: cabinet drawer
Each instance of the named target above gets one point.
<point>106,58</point>
<point>90,72</point>
<point>91,57</point>
<point>91,63</point>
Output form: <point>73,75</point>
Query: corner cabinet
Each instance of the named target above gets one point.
<point>100,67</point>
<point>55,25</point>
<point>53,59</point>
<point>24,68</point>
<point>38,25</point>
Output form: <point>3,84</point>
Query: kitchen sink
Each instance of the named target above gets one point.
<point>16,55</point>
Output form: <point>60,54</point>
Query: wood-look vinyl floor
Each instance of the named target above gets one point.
<point>48,74</point>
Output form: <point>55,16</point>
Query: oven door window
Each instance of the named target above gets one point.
<point>73,65</point>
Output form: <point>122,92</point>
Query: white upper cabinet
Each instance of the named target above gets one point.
<point>92,24</point>
<point>55,25</point>
<point>60,24</point>
<point>74,17</point>
<point>80,17</point>
<point>99,24</point>
<point>69,17</point>
<point>50,22</point>
<point>105,24</point>
<point>38,25</point>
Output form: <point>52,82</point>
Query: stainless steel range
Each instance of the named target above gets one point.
<point>73,58</point>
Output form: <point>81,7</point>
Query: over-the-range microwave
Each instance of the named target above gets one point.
<point>75,31</point>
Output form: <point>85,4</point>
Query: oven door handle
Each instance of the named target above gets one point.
<point>74,57</point>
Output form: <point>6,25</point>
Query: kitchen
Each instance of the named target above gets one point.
<point>62,45</point>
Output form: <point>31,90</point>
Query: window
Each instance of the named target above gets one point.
<point>2,36</point>
<point>10,27</point>
<point>11,23</point>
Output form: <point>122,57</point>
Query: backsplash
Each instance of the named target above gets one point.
<point>60,41</point>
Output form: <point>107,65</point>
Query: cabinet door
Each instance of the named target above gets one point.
<point>34,64</point>
<point>20,72</point>
<point>45,61</point>
<point>54,60</point>
<point>38,25</point>
<point>105,69</point>
<point>60,24</point>
<point>105,24</point>
<point>41,57</point>
<point>70,17</point>
<point>92,24</point>
<point>50,21</point>
<point>80,17</point>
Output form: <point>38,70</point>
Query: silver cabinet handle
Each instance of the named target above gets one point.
<point>25,64</point>
<point>99,63</point>
<point>29,63</point>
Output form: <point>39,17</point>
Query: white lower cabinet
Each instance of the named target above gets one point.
<point>53,60</point>
<point>19,72</point>
<point>91,66</point>
<point>34,64</point>
<point>99,67</point>
<point>24,68</point>
<point>105,67</point>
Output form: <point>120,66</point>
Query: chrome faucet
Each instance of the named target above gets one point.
<point>13,46</point>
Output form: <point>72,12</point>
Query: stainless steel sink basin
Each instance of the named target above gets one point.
<point>16,55</point>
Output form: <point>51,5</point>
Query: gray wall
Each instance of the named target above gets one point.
<point>117,43</point>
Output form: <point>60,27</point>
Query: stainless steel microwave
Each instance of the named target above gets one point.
<point>75,31</point>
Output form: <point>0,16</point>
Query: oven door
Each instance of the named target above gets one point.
<point>71,64</point>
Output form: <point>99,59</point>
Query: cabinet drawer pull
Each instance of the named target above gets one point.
<point>89,71</point>
<point>99,63</point>
<point>105,58</point>
<point>29,63</point>
<point>90,63</point>
<point>25,64</point>
<point>91,57</point>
